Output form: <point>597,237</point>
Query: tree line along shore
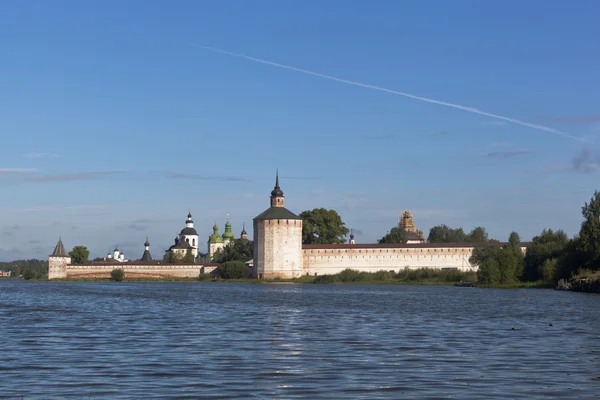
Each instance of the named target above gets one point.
<point>551,256</point>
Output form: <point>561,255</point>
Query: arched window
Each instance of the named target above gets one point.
<point>194,242</point>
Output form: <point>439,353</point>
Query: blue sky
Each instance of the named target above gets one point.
<point>113,123</point>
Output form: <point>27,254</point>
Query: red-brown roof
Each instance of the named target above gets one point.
<point>402,245</point>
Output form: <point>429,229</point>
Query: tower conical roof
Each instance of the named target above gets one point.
<point>277,192</point>
<point>59,250</point>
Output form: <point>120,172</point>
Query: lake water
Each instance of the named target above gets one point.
<point>253,341</point>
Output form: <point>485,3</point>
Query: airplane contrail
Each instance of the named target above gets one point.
<point>381,89</point>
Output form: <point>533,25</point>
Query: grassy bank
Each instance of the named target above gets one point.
<point>420,276</point>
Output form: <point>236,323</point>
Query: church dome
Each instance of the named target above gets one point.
<point>215,237</point>
<point>228,234</point>
<point>189,231</point>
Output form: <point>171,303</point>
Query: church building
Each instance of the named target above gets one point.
<point>186,240</point>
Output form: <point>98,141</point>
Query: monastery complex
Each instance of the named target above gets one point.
<point>278,251</point>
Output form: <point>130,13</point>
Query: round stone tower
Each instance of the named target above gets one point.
<point>277,240</point>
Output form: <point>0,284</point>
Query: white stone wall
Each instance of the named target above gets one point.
<point>133,270</point>
<point>278,249</point>
<point>57,267</point>
<point>372,259</point>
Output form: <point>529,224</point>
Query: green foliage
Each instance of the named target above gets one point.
<point>407,275</point>
<point>171,257</point>
<point>117,275</point>
<point>589,235</point>
<point>549,244</point>
<point>188,258</point>
<point>321,226</point>
<point>445,234</point>
<point>395,235</point>
<point>488,271</point>
<point>499,265</point>
<point>29,273</point>
<point>236,250</point>
<point>79,255</point>
<point>18,267</point>
<point>233,270</point>
<point>571,261</point>
<point>204,277</point>
<point>514,239</point>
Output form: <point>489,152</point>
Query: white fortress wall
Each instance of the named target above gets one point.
<point>331,259</point>
<point>279,254</point>
<point>134,270</point>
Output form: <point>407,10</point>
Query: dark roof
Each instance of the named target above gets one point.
<point>146,256</point>
<point>188,231</point>
<point>153,262</point>
<point>182,244</point>
<point>404,245</point>
<point>276,213</point>
<point>412,236</point>
<point>59,250</point>
<point>277,192</point>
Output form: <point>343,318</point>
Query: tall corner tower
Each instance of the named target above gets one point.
<point>58,261</point>
<point>277,240</point>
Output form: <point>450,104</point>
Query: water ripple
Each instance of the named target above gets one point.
<point>246,341</point>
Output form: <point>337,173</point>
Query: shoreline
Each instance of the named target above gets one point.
<point>303,281</point>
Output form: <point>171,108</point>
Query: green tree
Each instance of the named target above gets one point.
<point>549,244</point>
<point>39,267</point>
<point>237,250</point>
<point>477,235</point>
<point>79,255</point>
<point>589,235</point>
<point>117,274</point>
<point>488,272</point>
<point>395,235</point>
<point>445,234</point>
<point>234,270</point>
<point>571,261</point>
<point>514,239</point>
<point>321,226</point>
<point>171,258</point>
<point>189,257</point>
<point>28,274</point>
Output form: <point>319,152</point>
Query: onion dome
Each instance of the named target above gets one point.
<point>228,234</point>
<point>215,237</point>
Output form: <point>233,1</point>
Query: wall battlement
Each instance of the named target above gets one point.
<point>331,259</point>
<point>132,270</point>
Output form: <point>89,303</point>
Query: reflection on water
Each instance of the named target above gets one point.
<point>191,340</point>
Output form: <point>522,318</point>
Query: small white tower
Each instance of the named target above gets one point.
<point>352,236</point>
